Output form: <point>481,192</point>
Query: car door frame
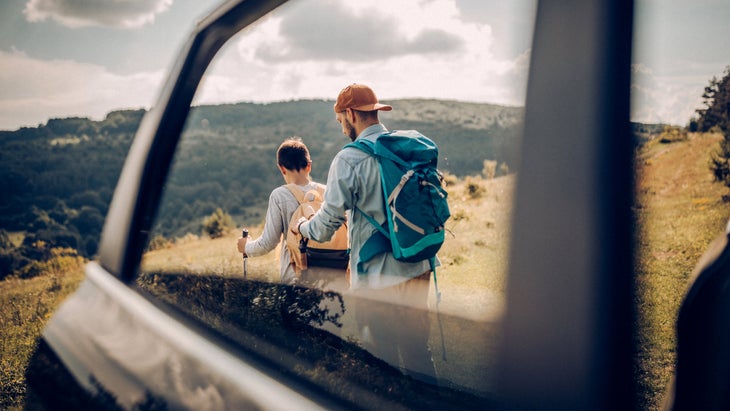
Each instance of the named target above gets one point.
<point>568,325</point>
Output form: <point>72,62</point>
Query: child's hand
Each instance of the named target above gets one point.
<point>241,243</point>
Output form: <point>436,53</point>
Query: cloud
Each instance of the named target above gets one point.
<point>36,90</point>
<point>308,34</point>
<point>309,49</point>
<point>668,99</point>
<point>402,49</point>
<point>85,13</point>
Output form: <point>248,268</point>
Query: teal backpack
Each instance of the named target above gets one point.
<point>416,208</point>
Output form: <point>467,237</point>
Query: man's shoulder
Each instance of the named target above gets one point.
<point>351,155</point>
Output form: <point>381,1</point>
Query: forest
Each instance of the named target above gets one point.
<point>58,179</point>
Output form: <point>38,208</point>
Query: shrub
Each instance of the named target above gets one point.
<point>672,134</point>
<point>62,260</point>
<point>459,214</point>
<point>158,242</point>
<point>216,224</point>
<point>474,189</point>
<point>490,169</point>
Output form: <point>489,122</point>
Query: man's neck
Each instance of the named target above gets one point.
<point>362,126</point>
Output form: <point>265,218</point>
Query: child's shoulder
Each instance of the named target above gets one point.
<point>282,192</point>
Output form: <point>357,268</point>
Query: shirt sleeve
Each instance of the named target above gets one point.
<point>338,197</point>
<point>274,227</point>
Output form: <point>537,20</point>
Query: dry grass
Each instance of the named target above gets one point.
<point>471,277</point>
<point>474,259</point>
<point>474,256</point>
<point>680,210</point>
<point>26,307</point>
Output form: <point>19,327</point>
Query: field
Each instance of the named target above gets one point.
<point>679,211</point>
<point>25,306</point>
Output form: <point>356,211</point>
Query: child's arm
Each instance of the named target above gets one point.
<point>273,228</point>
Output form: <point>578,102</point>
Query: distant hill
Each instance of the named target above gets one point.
<point>57,179</point>
<point>644,133</point>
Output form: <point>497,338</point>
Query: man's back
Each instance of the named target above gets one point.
<point>354,181</point>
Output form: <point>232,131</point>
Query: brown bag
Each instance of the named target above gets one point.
<point>304,253</point>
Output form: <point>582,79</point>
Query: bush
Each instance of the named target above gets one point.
<point>474,189</point>
<point>158,242</point>
<point>62,260</point>
<point>10,262</point>
<point>672,134</point>
<point>490,169</point>
<point>217,224</point>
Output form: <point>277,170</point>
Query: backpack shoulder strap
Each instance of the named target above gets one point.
<point>296,192</point>
<point>379,241</point>
<point>365,145</point>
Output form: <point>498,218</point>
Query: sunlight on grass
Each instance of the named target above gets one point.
<point>473,258</point>
<point>27,304</point>
<point>678,209</point>
<point>680,212</point>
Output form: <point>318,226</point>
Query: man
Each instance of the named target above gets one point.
<point>392,332</point>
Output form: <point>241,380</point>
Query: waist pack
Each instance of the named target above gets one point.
<point>304,253</point>
<point>416,208</point>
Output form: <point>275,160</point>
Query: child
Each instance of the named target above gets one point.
<point>295,165</point>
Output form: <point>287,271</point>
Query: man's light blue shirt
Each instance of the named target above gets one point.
<point>354,181</point>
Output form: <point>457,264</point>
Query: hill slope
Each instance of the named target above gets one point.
<point>679,211</point>
<point>57,179</point>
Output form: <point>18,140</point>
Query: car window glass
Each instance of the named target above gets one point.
<point>278,79</point>
<point>678,64</point>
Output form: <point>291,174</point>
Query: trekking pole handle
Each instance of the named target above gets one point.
<point>244,234</point>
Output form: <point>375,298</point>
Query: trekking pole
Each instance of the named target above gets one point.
<point>438,314</point>
<point>244,234</point>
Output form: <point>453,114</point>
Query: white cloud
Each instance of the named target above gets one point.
<point>402,49</point>
<point>669,99</point>
<point>436,53</point>
<point>35,90</point>
<point>83,13</point>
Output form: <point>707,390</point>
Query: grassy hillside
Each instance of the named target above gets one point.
<point>471,278</point>
<point>25,307</point>
<point>679,211</point>
<point>473,257</point>
<point>50,196</point>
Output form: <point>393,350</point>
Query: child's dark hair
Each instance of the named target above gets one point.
<point>293,154</point>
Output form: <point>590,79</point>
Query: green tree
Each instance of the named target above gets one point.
<point>716,99</point>
<point>716,116</point>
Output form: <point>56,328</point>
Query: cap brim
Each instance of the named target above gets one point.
<point>373,107</point>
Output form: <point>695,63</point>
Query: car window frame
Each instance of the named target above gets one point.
<point>596,369</point>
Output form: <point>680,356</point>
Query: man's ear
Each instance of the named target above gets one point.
<point>282,169</point>
<point>350,114</point>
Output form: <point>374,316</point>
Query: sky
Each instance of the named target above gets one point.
<point>85,58</point>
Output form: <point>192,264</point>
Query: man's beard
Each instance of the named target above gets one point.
<point>350,130</point>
